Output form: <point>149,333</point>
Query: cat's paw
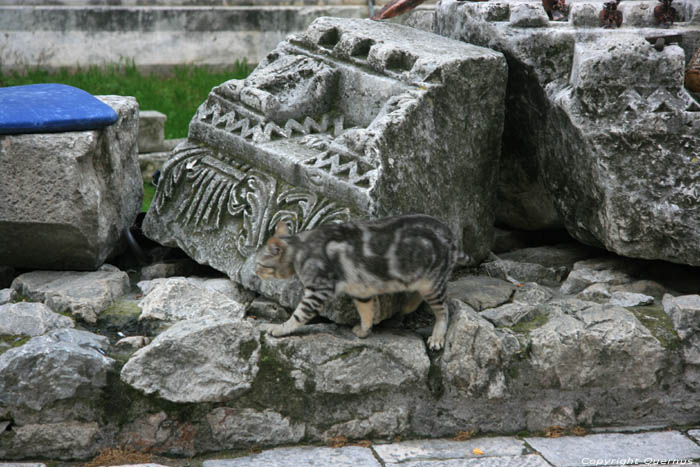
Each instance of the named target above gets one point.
<point>359,332</point>
<point>275,330</point>
<point>436,343</point>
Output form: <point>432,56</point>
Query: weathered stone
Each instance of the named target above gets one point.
<point>150,162</point>
<point>151,130</point>
<point>202,360</point>
<point>30,319</point>
<point>528,15</point>
<point>334,361</point>
<point>385,424</point>
<point>170,268</point>
<point>644,286</point>
<point>5,296</point>
<point>179,299</point>
<point>628,299</point>
<point>562,255</point>
<point>481,292</point>
<point>83,294</point>
<point>579,279</point>
<point>68,441</point>
<point>443,449</point>
<point>523,272</point>
<point>532,294</point>
<point>158,433</point>
<point>232,428</point>
<point>55,377</point>
<point>640,448</point>
<point>336,123</point>
<point>133,342</point>
<point>601,122</point>
<point>69,196</point>
<point>349,456</point>
<point>474,355</point>
<point>510,314</point>
<point>594,346</point>
<point>598,292</point>
<point>684,312</point>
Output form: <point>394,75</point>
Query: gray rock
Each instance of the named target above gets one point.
<point>626,299</point>
<point>582,121</point>
<point>83,294</point>
<point>526,15</point>
<point>593,347</point>
<point>30,319</point>
<point>474,356</point>
<point>150,162</point>
<point>151,130</point>
<point>349,456</point>
<point>684,312</point>
<point>5,296</point>
<point>232,427</point>
<point>385,424</point>
<point>562,255</point>
<point>178,299</point>
<point>338,122</point>
<point>510,314</point>
<point>443,449</point>
<point>170,268</point>
<point>156,432</point>
<point>638,448</point>
<point>334,361</point>
<point>133,342</point>
<point>209,359</point>
<point>66,441</point>
<point>267,309</point>
<point>55,377</point>
<point>532,294</point>
<point>579,279</point>
<point>644,286</point>
<point>598,292</point>
<point>523,272</point>
<point>481,292</point>
<point>69,196</point>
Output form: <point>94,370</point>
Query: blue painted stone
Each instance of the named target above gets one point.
<point>45,108</point>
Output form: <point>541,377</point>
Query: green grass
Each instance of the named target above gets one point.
<point>148,192</point>
<point>177,94</point>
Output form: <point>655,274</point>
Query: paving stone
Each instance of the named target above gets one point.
<point>443,449</point>
<point>351,456</point>
<point>531,460</point>
<point>616,448</point>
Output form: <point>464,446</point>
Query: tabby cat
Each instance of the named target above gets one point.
<point>403,253</point>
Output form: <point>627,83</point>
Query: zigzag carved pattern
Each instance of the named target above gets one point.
<point>261,132</point>
<point>356,172</point>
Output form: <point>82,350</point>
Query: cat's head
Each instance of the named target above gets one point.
<point>274,260</point>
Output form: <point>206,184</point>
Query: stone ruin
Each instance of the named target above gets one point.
<point>579,339</point>
<point>600,134</point>
<point>350,119</point>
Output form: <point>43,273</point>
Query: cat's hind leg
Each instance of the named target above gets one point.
<point>366,307</point>
<point>308,307</point>
<point>436,299</point>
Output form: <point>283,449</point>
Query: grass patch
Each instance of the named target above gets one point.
<point>527,325</point>
<point>149,192</point>
<point>176,94</point>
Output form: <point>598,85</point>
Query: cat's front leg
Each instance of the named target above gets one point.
<point>308,307</point>
<point>366,307</point>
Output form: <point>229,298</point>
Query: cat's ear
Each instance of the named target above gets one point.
<point>281,229</point>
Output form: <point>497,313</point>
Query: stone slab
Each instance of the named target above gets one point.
<point>444,449</point>
<point>44,108</point>
<point>615,448</point>
<point>151,131</point>
<point>350,456</point>
<point>531,460</point>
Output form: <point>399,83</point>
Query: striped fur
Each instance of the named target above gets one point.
<point>404,253</point>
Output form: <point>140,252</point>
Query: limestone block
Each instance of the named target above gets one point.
<point>601,121</point>
<point>55,377</point>
<point>352,118</point>
<point>151,130</point>
<point>67,197</point>
<point>201,360</point>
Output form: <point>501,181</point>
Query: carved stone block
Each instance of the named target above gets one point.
<point>351,119</point>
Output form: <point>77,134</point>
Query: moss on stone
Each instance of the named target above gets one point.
<point>659,325</point>
<point>8,342</point>
<point>528,325</point>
